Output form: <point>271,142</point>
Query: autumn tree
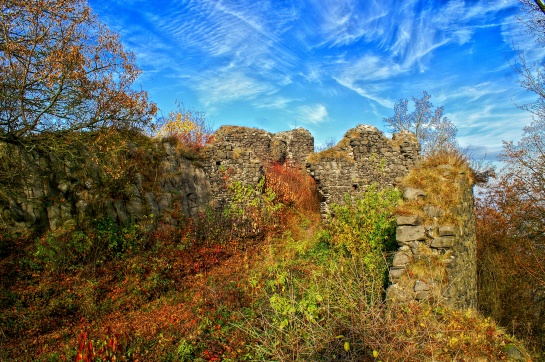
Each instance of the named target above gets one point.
<point>511,253</point>
<point>63,70</point>
<point>189,126</point>
<point>433,130</point>
<point>511,211</point>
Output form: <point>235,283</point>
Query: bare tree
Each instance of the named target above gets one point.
<point>534,18</point>
<point>63,70</point>
<point>434,131</point>
<point>533,75</point>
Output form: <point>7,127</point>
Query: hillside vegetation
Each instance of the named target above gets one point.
<point>261,279</point>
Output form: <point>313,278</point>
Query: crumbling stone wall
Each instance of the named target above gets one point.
<point>57,193</point>
<point>446,252</point>
<point>363,157</point>
<point>240,153</point>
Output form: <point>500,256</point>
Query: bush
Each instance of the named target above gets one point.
<point>364,228</point>
<point>256,211</point>
<point>189,128</point>
<point>307,308</point>
<point>293,187</point>
<point>75,249</point>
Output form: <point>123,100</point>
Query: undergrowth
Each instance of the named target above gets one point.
<point>260,280</point>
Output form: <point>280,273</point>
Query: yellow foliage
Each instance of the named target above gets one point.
<point>188,128</point>
<point>181,124</point>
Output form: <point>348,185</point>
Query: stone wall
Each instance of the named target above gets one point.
<point>364,156</point>
<point>55,193</point>
<point>241,153</point>
<point>437,260</point>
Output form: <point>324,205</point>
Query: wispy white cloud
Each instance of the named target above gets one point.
<point>369,68</point>
<point>489,125</point>
<point>274,102</point>
<point>364,76</point>
<point>474,92</point>
<point>312,114</point>
<point>367,93</point>
<point>227,87</point>
<point>483,9</point>
<point>344,22</point>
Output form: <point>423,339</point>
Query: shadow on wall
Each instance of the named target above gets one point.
<point>157,181</point>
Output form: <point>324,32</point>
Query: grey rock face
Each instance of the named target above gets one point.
<point>363,157</point>
<point>405,234</point>
<point>454,245</point>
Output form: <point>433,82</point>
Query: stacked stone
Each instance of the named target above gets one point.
<point>293,146</point>
<point>60,195</point>
<point>240,154</point>
<point>454,245</point>
<point>364,156</point>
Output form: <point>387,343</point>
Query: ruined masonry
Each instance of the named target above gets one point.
<point>59,195</point>
<point>364,156</point>
<point>240,153</point>
<point>425,244</point>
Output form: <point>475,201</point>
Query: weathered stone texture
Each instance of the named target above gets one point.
<point>241,153</point>
<point>363,157</point>
<point>56,195</point>
<point>455,245</point>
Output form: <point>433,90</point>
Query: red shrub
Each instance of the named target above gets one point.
<point>293,186</point>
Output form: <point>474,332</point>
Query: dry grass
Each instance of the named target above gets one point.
<point>293,187</point>
<point>331,154</point>
<point>443,176</point>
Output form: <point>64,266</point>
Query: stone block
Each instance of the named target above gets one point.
<point>447,230</point>
<point>418,248</point>
<point>422,295</point>
<point>405,234</point>
<point>401,259</point>
<point>433,212</point>
<point>420,286</point>
<point>411,220</point>
<point>443,242</point>
<point>411,193</point>
<point>397,294</point>
<point>396,273</point>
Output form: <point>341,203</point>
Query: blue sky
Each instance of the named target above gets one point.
<point>329,65</point>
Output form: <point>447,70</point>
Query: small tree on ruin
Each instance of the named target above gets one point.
<point>434,131</point>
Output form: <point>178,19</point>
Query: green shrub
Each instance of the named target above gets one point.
<point>312,301</point>
<point>364,228</point>
<point>70,250</point>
